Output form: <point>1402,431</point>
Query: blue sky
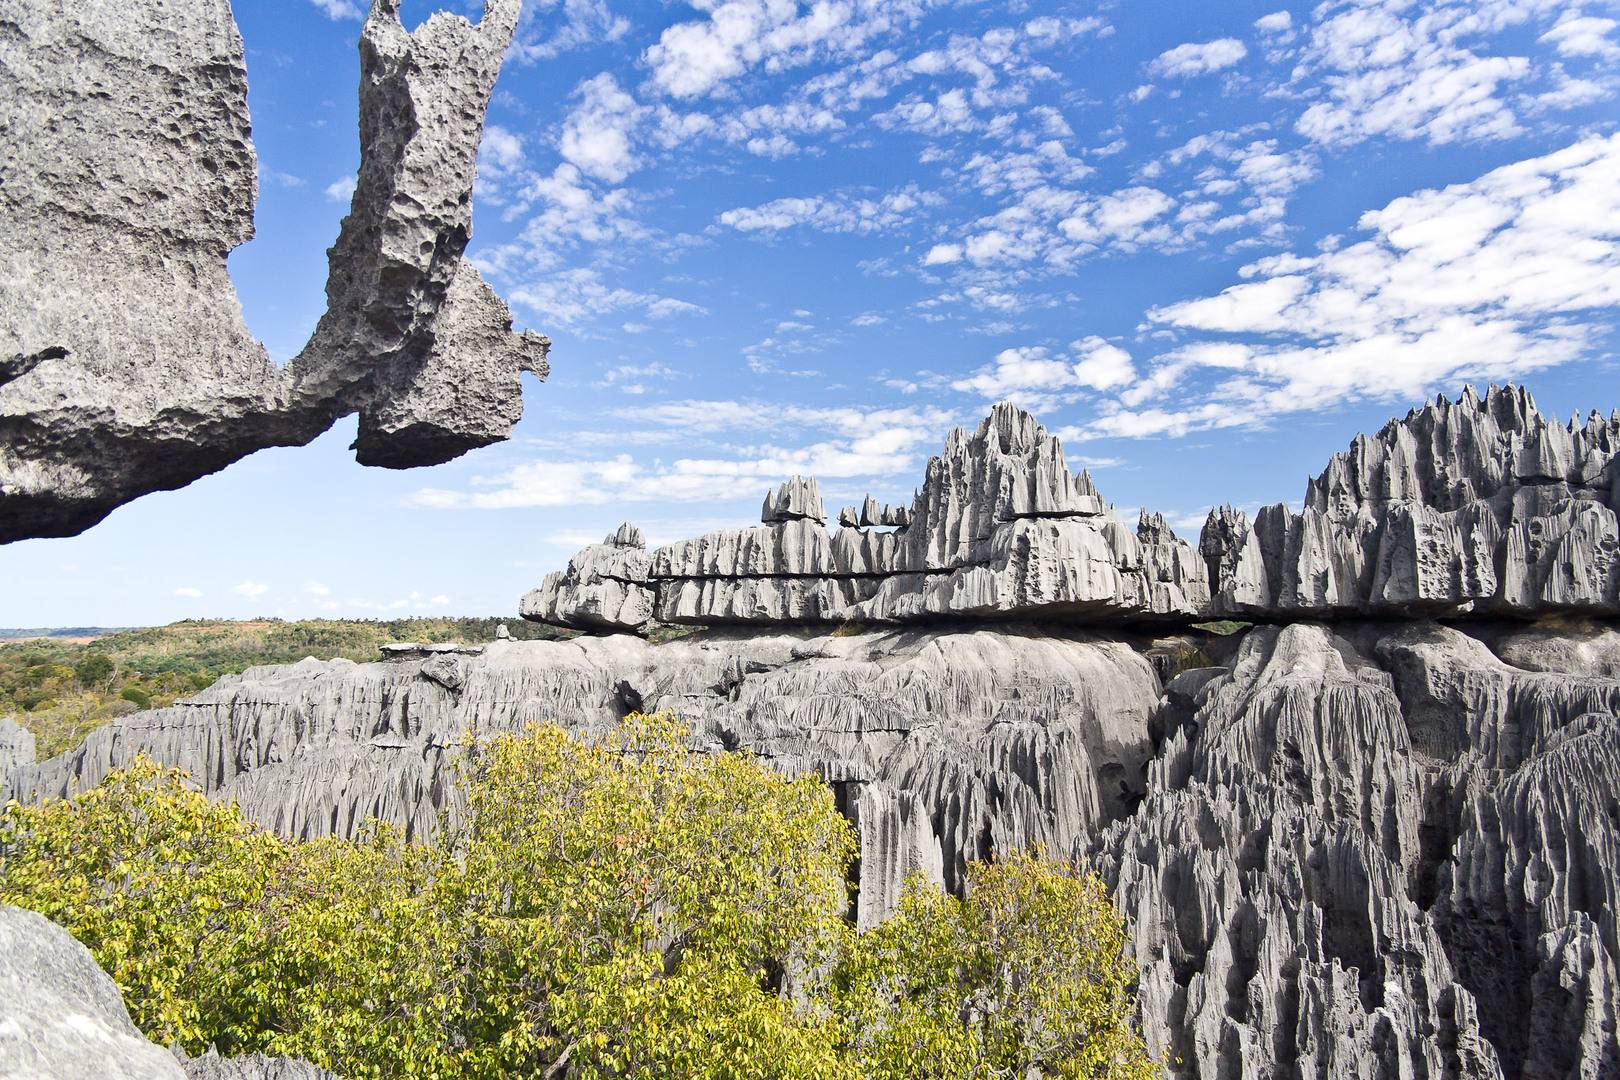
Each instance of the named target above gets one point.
<point>1206,242</point>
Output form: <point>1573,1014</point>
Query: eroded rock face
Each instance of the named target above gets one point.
<point>1371,849</point>
<point>943,747</point>
<point>1000,529</point>
<point>1481,506</point>
<point>62,1018</point>
<point>125,366</point>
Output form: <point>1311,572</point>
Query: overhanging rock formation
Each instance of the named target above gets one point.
<point>1000,529</point>
<point>125,366</point>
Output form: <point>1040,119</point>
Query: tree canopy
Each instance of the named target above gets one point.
<point>621,907</point>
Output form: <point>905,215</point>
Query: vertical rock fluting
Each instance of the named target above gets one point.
<point>1478,506</point>
<point>1381,851</point>
<point>125,366</point>
<point>945,747</point>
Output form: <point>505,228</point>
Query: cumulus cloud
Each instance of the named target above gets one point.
<point>597,135</point>
<point>1193,58</point>
<point>833,213</point>
<point>1395,69</point>
<point>1483,280</point>
<point>844,443</point>
<point>251,589</point>
<point>188,592</point>
<point>1583,35</point>
<point>337,10</point>
<point>1033,377</point>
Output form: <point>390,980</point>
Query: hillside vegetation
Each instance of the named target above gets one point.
<point>62,690</point>
<point>627,908</point>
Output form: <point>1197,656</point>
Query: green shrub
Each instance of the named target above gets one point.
<point>623,908</point>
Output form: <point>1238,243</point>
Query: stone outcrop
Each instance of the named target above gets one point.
<point>1000,529</point>
<point>62,1018</point>
<point>125,365</point>
<point>1481,506</point>
<point>942,747</point>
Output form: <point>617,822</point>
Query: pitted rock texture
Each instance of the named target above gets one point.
<point>1480,506</point>
<point>943,747</point>
<point>1000,529</point>
<point>62,1018</point>
<point>125,366</point>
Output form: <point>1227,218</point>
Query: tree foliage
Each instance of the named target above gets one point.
<point>623,907</point>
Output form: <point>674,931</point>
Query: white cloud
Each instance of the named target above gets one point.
<point>1194,58</point>
<point>833,213</point>
<point>848,443</point>
<point>597,135</point>
<point>339,9</point>
<point>188,592</point>
<point>1033,377</point>
<point>315,588</point>
<point>1483,280</point>
<point>340,190</point>
<point>943,254</point>
<point>1275,23</point>
<point>583,22</point>
<point>574,297</point>
<point>694,58</point>
<point>1394,69</point>
<point>1583,35</point>
<point>500,153</point>
<point>251,589</point>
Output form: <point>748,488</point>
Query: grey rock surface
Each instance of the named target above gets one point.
<point>61,1016</point>
<point>211,1066</point>
<point>999,529</point>
<point>1482,506</point>
<point>1375,849</point>
<point>125,366</point>
<point>16,743</point>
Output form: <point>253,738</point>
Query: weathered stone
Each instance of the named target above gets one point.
<point>797,499</point>
<point>125,366</point>
<point>16,743</point>
<point>1482,506</point>
<point>62,1018</point>
<point>999,529</point>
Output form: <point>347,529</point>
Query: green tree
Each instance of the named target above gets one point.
<point>162,885</point>
<point>623,907</point>
<point>1025,976</point>
<point>93,669</point>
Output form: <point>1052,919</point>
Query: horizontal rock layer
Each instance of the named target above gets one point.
<point>999,529</point>
<point>1481,507</point>
<point>125,366</point>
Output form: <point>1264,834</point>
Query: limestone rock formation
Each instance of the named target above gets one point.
<point>1480,506</point>
<point>125,366</point>
<point>16,743</point>
<point>1385,846</point>
<point>943,746</point>
<point>62,1018</point>
<point>1000,529</point>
